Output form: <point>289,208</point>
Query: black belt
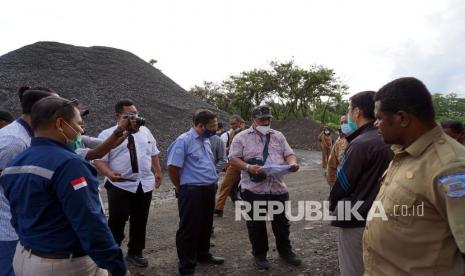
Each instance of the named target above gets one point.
<point>55,255</point>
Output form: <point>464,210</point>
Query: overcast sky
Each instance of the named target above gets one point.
<point>367,43</point>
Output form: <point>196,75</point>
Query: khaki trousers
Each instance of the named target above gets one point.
<point>232,176</point>
<point>324,156</point>
<point>27,264</point>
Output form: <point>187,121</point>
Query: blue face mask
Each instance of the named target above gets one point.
<point>349,127</point>
<point>208,133</point>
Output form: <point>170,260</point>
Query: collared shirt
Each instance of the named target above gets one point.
<point>334,159</point>
<point>423,195</point>
<point>14,138</point>
<point>55,204</point>
<point>119,160</point>
<point>249,144</point>
<point>192,153</point>
<point>219,152</point>
<point>325,141</point>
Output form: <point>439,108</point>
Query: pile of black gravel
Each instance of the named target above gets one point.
<point>98,77</point>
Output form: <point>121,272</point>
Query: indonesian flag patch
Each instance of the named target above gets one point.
<point>79,183</point>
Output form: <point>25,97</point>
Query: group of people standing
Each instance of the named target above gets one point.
<point>392,156</point>
<point>52,220</point>
<point>51,217</point>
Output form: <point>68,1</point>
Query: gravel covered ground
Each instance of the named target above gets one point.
<point>313,241</point>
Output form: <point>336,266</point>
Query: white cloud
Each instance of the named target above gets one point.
<point>367,42</point>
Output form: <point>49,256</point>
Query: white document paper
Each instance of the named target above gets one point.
<point>276,170</point>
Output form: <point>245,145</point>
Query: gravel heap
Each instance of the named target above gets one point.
<point>300,133</point>
<point>98,77</point>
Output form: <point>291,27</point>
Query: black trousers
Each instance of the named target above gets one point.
<point>195,205</point>
<point>124,205</point>
<point>257,229</point>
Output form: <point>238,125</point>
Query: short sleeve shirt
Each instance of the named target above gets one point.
<point>192,153</point>
<point>119,160</point>
<point>249,144</point>
<point>423,195</point>
<point>14,138</point>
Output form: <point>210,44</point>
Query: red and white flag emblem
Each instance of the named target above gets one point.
<point>79,183</point>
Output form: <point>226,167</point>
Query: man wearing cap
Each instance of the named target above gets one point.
<point>5,118</point>
<point>249,151</point>
<point>14,138</point>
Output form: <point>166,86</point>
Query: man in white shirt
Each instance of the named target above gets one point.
<point>130,181</point>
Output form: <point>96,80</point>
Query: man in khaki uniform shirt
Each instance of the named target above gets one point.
<point>326,143</point>
<point>335,156</point>
<point>422,191</point>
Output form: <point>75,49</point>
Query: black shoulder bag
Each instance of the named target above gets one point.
<point>254,161</point>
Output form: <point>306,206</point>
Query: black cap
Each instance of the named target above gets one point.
<point>262,111</point>
<point>6,116</point>
<point>84,112</point>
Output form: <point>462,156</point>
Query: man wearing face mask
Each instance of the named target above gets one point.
<point>54,201</point>
<point>326,142</point>
<point>336,154</point>
<point>364,161</point>
<point>14,138</point>
<point>250,150</point>
<point>130,181</point>
<point>91,148</point>
<point>192,171</point>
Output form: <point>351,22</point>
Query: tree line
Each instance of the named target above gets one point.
<point>295,92</point>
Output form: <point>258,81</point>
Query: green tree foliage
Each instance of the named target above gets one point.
<point>152,61</point>
<point>449,107</point>
<point>292,92</point>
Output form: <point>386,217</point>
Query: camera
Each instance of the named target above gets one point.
<point>140,121</point>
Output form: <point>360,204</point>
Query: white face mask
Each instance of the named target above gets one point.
<point>263,129</point>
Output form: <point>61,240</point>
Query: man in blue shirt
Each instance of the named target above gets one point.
<point>192,170</point>
<point>53,196</point>
<point>14,138</point>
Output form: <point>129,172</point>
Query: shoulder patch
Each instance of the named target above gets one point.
<point>453,185</point>
<point>79,183</point>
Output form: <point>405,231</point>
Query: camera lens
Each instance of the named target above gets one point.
<point>140,121</point>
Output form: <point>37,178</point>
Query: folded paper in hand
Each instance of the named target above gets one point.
<point>276,170</point>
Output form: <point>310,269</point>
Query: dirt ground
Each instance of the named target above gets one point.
<point>313,241</point>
